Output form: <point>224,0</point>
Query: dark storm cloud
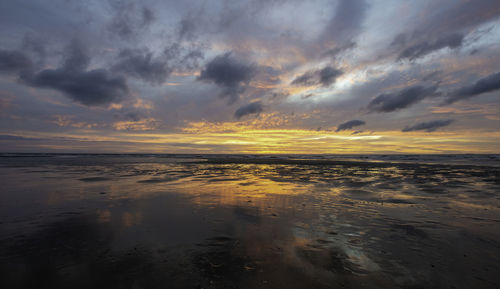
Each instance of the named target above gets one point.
<point>228,73</point>
<point>345,23</point>
<point>389,102</point>
<point>91,88</point>
<point>425,47</point>
<point>445,26</point>
<point>191,59</point>
<point>75,57</point>
<point>350,124</point>
<point>309,78</point>
<point>142,65</point>
<point>94,87</point>
<point>183,58</point>
<point>252,108</point>
<point>461,15</point>
<point>484,85</point>
<point>147,16</point>
<point>429,126</point>
<point>13,62</point>
<point>326,76</point>
<point>128,18</point>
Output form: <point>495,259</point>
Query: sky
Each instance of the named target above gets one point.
<point>261,76</point>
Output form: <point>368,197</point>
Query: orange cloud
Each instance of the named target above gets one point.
<point>143,124</point>
<point>67,121</point>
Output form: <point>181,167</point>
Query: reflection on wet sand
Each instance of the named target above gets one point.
<point>169,224</point>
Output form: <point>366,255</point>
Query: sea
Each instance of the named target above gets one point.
<point>249,221</point>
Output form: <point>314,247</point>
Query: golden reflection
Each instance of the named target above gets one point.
<point>239,186</point>
<point>104,216</point>
<point>131,219</point>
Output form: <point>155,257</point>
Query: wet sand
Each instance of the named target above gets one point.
<point>73,221</point>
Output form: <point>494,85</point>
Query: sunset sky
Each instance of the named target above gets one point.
<point>281,76</point>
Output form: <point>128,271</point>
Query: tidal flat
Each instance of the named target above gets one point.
<point>242,221</point>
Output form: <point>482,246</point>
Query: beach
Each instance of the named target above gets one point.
<point>247,221</point>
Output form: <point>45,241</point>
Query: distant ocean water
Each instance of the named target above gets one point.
<point>249,221</point>
<point>459,159</point>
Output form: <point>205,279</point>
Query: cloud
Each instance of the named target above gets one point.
<point>228,73</point>
<point>350,124</point>
<point>273,45</point>
<point>324,77</point>
<point>426,47</point>
<point>144,124</point>
<point>7,137</point>
<point>345,24</point>
<point>91,88</point>
<point>484,85</point>
<point>252,108</point>
<point>429,126</point>
<point>459,16</point>
<point>5,99</point>
<point>432,76</point>
<point>13,62</point>
<point>68,121</point>
<point>36,46</point>
<point>192,23</point>
<point>147,16</point>
<point>141,64</point>
<point>328,75</point>
<point>128,19</point>
<point>389,102</point>
<point>183,58</point>
<point>306,79</point>
<point>75,57</point>
<point>444,26</point>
